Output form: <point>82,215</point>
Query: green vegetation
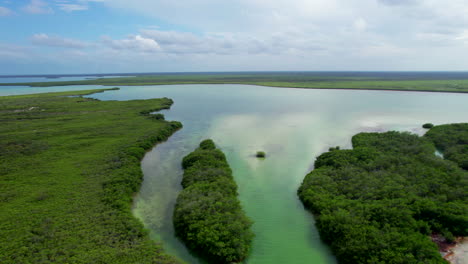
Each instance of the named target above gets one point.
<point>428,125</point>
<point>381,201</point>
<point>334,148</point>
<point>260,154</point>
<point>452,141</point>
<point>208,216</point>
<point>69,166</point>
<point>291,79</point>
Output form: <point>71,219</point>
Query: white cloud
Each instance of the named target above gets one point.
<point>38,7</point>
<point>312,35</point>
<point>173,42</point>
<point>12,54</point>
<point>133,43</point>
<point>360,24</point>
<point>5,11</point>
<point>397,2</point>
<point>283,35</point>
<point>75,5</point>
<point>184,43</point>
<point>55,41</point>
<point>72,7</point>
<point>462,36</point>
<point>256,16</point>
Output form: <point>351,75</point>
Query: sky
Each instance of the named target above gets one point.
<point>115,36</point>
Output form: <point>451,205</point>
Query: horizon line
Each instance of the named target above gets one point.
<point>127,74</point>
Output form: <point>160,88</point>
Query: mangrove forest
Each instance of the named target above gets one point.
<point>208,216</point>
<point>69,167</point>
<point>381,201</point>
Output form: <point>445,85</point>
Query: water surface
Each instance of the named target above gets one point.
<point>292,126</point>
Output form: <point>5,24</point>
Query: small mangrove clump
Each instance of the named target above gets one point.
<point>208,216</point>
<point>260,154</point>
<point>334,148</point>
<point>428,126</point>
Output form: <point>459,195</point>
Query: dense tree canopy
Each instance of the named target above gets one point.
<point>452,140</point>
<point>380,201</point>
<point>208,216</point>
<point>69,167</point>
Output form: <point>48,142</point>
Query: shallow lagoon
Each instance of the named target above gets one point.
<point>292,126</point>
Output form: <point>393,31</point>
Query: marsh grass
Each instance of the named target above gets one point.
<point>435,83</point>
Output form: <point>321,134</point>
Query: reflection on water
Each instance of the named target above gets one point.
<point>292,126</point>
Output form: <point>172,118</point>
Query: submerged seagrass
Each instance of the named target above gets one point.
<point>381,201</point>
<point>207,215</point>
<point>69,167</point>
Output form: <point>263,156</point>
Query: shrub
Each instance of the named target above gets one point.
<point>207,144</point>
<point>428,125</point>
<point>157,116</point>
<point>260,154</point>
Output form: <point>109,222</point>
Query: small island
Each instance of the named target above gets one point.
<point>208,216</point>
<point>260,154</point>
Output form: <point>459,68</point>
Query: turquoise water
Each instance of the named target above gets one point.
<point>292,126</point>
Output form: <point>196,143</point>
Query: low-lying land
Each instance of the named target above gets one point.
<point>207,215</point>
<point>434,82</point>
<point>381,201</point>
<point>69,166</point>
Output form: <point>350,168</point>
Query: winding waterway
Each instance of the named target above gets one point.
<point>292,126</point>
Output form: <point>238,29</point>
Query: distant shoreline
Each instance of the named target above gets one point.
<point>321,73</point>
<point>452,82</point>
<point>51,84</point>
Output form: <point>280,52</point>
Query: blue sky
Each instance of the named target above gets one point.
<point>104,36</point>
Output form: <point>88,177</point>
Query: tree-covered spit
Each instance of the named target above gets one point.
<point>208,216</point>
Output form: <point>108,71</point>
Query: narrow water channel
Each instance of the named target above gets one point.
<point>292,126</point>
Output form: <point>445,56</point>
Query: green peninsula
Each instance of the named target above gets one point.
<point>381,201</point>
<point>69,166</point>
